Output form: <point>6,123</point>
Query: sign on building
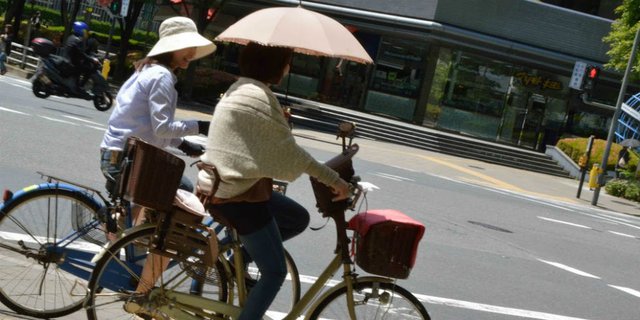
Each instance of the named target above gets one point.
<point>578,75</point>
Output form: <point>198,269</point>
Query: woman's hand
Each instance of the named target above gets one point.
<point>341,189</point>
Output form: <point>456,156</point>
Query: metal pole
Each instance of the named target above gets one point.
<point>113,23</point>
<point>616,115</point>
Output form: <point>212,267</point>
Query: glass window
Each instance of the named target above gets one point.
<point>396,80</point>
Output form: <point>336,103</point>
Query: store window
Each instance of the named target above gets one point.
<point>468,93</point>
<point>396,80</point>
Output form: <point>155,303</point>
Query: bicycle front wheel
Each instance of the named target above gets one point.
<point>43,269</point>
<point>117,273</point>
<point>372,300</point>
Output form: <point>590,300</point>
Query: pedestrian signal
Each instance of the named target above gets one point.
<point>591,78</point>
<point>115,6</point>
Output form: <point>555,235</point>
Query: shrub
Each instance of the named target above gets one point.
<point>616,187</point>
<point>576,147</point>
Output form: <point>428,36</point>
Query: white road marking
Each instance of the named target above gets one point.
<point>570,269</point>
<point>391,176</point>
<point>386,177</point>
<point>622,234</point>
<point>627,290</point>
<point>78,245</point>
<point>97,128</point>
<point>14,111</point>
<point>84,120</point>
<point>59,120</point>
<point>493,309</point>
<point>565,222</point>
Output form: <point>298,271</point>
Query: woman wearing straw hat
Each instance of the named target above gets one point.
<point>146,105</point>
<point>249,143</point>
<point>147,101</point>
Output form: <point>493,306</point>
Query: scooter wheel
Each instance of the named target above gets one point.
<point>103,102</point>
<point>40,89</point>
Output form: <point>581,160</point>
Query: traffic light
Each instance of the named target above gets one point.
<point>591,78</point>
<point>115,6</point>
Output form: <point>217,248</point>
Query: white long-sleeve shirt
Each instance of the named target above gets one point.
<point>145,108</point>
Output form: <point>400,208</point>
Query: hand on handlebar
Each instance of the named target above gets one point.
<point>341,189</point>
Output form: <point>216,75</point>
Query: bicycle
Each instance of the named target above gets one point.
<point>49,235</point>
<point>355,297</point>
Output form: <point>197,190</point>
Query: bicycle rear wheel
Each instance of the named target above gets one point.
<point>43,270</point>
<point>372,300</point>
<point>117,273</point>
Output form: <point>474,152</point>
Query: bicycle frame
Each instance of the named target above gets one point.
<point>187,306</point>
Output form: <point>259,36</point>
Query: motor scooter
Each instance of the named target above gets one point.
<point>55,75</point>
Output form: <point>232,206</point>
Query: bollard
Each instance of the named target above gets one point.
<point>593,176</point>
<point>106,66</point>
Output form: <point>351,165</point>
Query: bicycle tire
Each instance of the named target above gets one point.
<point>34,282</point>
<point>111,285</point>
<point>393,302</point>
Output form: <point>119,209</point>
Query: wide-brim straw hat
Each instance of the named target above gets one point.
<point>179,33</point>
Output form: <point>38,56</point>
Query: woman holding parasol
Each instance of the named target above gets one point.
<point>249,142</point>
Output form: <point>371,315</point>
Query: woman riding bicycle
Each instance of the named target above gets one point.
<point>146,108</point>
<point>147,101</point>
<point>250,143</point>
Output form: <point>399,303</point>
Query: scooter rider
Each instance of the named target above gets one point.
<point>75,51</point>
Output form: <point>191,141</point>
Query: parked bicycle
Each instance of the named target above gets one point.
<point>386,243</point>
<point>50,234</point>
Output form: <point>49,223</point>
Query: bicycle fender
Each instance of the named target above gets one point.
<point>128,231</point>
<point>51,185</point>
<point>341,285</point>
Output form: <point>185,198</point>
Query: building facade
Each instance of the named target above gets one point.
<point>497,70</point>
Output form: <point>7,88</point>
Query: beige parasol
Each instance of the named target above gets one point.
<point>303,30</point>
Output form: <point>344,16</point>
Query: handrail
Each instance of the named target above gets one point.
<point>30,56</point>
<point>32,60</point>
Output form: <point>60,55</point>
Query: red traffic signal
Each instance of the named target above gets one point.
<point>589,83</point>
<point>593,72</point>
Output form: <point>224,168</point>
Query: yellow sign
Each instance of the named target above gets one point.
<point>529,80</point>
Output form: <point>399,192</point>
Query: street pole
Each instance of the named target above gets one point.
<point>616,115</point>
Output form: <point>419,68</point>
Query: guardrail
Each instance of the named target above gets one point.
<point>26,60</point>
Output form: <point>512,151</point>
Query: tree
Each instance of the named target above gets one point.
<point>622,35</point>
<point>15,9</point>
<point>202,12</point>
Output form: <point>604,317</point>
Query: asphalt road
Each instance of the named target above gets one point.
<point>494,247</point>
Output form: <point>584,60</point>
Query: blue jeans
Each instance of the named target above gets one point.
<point>265,248</point>
<point>285,219</point>
<point>3,59</point>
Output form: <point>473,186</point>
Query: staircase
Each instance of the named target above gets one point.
<point>325,118</point>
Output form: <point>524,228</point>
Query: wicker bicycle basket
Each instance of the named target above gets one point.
<point>151,175</point>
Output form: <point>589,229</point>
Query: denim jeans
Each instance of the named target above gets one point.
<point>3,59</point>
<point>265,247</point>
<point>285,219</point>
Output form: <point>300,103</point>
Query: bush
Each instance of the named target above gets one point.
<point>632,192</point>
<point>616,187</point>
<point>574,148</point>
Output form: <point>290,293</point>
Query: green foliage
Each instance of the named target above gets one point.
<point>628,189</point>
<point>576,147</point>
<point>622,35</point>
<point>616,187</point>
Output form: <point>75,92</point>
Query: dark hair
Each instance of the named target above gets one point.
<point>164,58</point>
<point>264,63</point>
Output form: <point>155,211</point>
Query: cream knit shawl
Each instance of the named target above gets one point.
<point>250,139</point>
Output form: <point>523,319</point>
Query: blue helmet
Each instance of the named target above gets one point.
<point>79,28</point>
